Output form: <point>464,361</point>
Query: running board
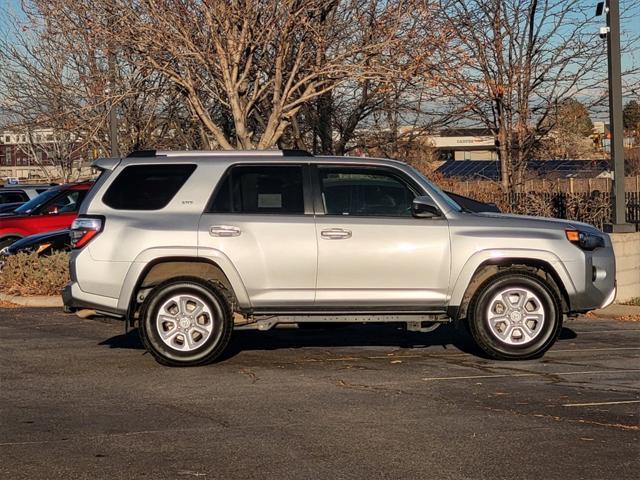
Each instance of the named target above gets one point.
<point>414,322</point>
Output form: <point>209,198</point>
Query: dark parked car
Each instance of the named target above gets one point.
<point>21,193</point>
<point>41,243</point>
<point>10,207</point>
<point>472,205</point>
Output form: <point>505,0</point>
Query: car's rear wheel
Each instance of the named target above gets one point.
<point>515,316</point>
<point>186,322</point>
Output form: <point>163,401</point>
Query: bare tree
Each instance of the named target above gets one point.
<point>246,68</point>
<point>55,76</point>
<point>396,100</point>
<point>510,62</point>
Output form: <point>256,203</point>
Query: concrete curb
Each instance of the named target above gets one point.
<point>613,311</point>
<point>35,301</point>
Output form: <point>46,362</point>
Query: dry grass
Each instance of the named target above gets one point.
<point>27,274</point>
<point>634,301</point>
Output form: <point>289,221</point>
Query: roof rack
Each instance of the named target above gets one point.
<point>142,153</point>
<point>219,153</point>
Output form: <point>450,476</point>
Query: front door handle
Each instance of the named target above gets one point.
<point>224,231</point>
<point>335,234</point>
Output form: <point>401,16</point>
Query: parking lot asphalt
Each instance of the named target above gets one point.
<point>80,399</point>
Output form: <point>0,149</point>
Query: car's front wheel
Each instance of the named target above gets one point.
<point>515,316</point>
<point>186,322</point>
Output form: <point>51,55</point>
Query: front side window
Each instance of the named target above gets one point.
<point>67,202</point>
<point>261,189</point>
<point>146,187</point>
<point>36,203</point>
<point>365,192</point>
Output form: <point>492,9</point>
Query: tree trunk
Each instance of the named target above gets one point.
<point>503,157</point>
<point>324,126</point>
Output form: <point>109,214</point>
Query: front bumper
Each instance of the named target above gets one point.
<point>610,299</point>
<point>594,278</point>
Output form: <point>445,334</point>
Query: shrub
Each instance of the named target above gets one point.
<point>29,274</point>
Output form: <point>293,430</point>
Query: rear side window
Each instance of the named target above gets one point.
<point>146,187</point>
<point>261,189</point>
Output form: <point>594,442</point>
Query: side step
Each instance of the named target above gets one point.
<point>414,322</point>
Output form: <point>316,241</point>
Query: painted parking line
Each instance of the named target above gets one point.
<point>596,404</point>
<point>529,374</point>
<point>605,349</point>
<point>426,356</point>
<point>620,330</point>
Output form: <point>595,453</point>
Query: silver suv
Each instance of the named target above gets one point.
<point>192,245</point>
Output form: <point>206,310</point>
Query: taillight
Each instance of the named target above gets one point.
<point>83,229</point>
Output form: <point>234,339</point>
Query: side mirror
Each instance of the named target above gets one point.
<point>423,207</point>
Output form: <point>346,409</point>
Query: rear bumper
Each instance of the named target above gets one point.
<point>75,299</point>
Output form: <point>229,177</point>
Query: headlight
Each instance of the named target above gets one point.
<point>585,240</point>
<point>4,252</point>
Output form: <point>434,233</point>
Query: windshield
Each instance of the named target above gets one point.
<point>36,202</point>
<point>450,201</point>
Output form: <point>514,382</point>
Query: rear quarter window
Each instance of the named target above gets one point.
<point>146,187</point>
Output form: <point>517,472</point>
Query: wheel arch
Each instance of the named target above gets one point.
<point>144,275</point>
<point>548,267</point>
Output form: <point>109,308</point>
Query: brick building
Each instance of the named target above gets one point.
<point>14,147</point>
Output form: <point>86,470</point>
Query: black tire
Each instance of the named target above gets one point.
<point>489,342</point>
<point>211,295</point>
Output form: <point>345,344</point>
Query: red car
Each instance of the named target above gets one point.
<point>54,209</point>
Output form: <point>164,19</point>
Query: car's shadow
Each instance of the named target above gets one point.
<point>447,337</point>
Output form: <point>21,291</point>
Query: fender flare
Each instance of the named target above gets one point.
<point>152,256</point>
<point>497,256</point>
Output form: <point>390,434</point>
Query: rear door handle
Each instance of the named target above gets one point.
<point>224,231</point>
<point>335,234</point>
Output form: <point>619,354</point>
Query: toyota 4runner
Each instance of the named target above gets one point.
<point>192,245</point>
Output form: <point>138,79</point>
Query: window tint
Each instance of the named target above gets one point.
<point>13,196</point>
<point>365,192</point>
<point>261,189</point>
<point>146,187</point>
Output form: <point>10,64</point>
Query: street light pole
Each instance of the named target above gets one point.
<point>615,119</point>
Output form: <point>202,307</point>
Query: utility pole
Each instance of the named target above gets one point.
<point>612,32</point>
<point>113,118</point>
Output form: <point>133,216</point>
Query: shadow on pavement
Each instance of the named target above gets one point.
<point>447,336</point>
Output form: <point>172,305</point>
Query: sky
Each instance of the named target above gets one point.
<point>630,29</point>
